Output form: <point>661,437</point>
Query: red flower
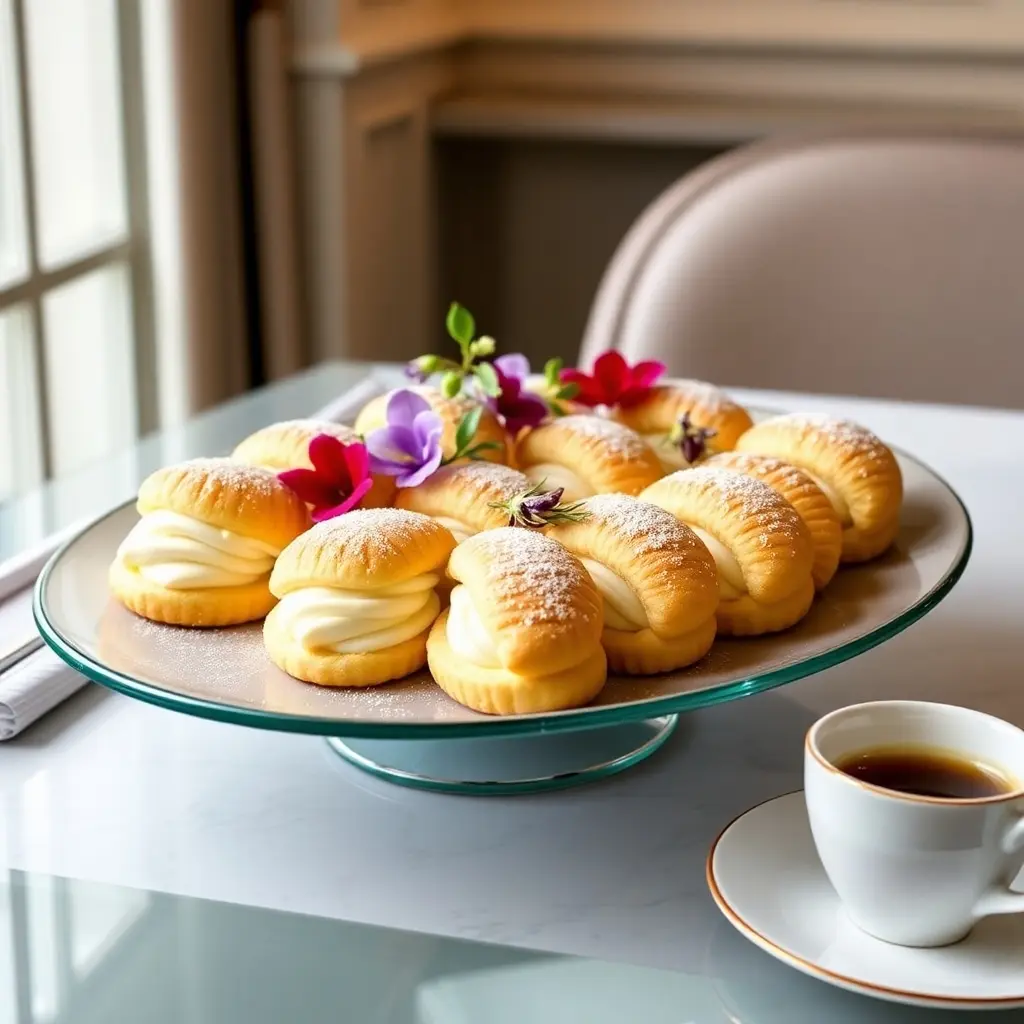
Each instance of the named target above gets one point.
<point>338,481</point>
<point>613,381</point>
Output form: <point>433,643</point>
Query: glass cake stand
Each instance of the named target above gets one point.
<point>412,733</point>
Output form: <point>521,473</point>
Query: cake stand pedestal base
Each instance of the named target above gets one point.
<point>509,765</point>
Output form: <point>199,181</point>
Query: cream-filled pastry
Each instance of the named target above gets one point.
<point>460,497</point>
<point>202,552</point>
<point>587,455</point>
<point>357,596</point>
<point>807,498</point>
<point>658,581</point>
<point>523,633</point>
<point>451,412</point>
<point>283,446</point>
<point>857,472</point>
<point>656,415</point>
<point>760,545</point>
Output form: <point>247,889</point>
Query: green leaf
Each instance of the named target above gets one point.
<point>488,378</point>
<point>460,323</point>
<point>552,368</point>
<point>451,384</point>
<point>483,446</point>
<point>467,428</point>
<point>568,391</point>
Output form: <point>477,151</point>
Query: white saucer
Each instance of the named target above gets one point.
<point>765,876</point>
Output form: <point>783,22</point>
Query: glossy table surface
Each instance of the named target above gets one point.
<point>110,790</point>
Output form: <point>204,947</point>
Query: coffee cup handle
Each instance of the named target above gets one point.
<point>998,899</point>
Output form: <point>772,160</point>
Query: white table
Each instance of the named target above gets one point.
<point>113,790</point>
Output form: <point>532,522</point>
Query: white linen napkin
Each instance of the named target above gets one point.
<point>33,680</point>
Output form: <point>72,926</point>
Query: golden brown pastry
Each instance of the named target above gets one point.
<point>202,553</point>
<point>459,496</point>
<point>357,597</point>
<point>857,472</point>
<point>809,500</point>
<point>587,455</point>
<point>523,633</point>
<point>658,581</point>
<point>283,446</point>
<point>451,411</point>
<point>762,549</point>
<point>655,416</point>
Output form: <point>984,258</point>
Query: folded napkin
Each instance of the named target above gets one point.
<point>32,679</point>
<point>32,687</point>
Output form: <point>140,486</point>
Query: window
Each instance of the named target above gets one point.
<point>76,330</point>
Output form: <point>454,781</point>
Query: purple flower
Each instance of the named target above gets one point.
<point>691,439</point>
<point>414,373</point>
<point>408,447</point>
<point>517,408</point>
<point>537,507</point>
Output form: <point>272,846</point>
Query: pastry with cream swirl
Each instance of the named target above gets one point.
<point>202,552</point>
<point>523,632</point>
<point>655,415</point>
<point>587,455</point>
<point>357,595</point>
<point>807,498</point>
<point>857,472</point>
<point>460,497</point>
<point>285,445</point>
<point>761,546</point>
<point>658,581</point>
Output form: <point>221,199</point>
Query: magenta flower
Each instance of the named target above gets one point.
<point>613,381</point>
<point>408,447</point>
<point>517,407</point>
<point>338,481</point>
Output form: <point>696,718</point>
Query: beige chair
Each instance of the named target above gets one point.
<point>879,266</point>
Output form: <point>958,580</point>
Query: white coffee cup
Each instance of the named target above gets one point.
<point>916,870</point>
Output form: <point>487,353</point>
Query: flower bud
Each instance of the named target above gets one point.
<point>451,384</point>
<point>484,346</point>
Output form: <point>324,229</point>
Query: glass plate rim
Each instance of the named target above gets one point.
<point>564,721</point>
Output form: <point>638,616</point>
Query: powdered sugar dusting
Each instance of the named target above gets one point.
<point>252,484</point>
<point>614,437</point>
<point>711,398</point>
<point>487,481</point>
<point>313,427</point>
<point>750,498</point>
<point>379,532</point>
<point>522,564</point>
<point>837,431</point>
<point>647,527</point>
<point>786,474</point>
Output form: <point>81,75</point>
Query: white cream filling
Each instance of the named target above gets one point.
<point>838,502</point>
<point>730,576</point>
<point>359,621</point>
<point>456,527</point>
<point>622,608</point>
<point>182,553</point>
<point>555,476</point>
<point>466,632</point>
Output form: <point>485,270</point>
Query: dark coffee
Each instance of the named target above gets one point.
<point>926,771</point>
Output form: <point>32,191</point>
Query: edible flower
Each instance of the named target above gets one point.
<point>462,330</point>
<point>516,407</point>
<point>689,438</point>
<point>613,381</point>
<point>338,481</point>
<point>408,446</point>
<point>537,507</point>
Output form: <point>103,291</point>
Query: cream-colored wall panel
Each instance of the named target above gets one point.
<point>962,26</point>
<point>634,72</point>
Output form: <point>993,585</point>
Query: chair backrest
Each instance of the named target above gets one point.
<point>878,266</point>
